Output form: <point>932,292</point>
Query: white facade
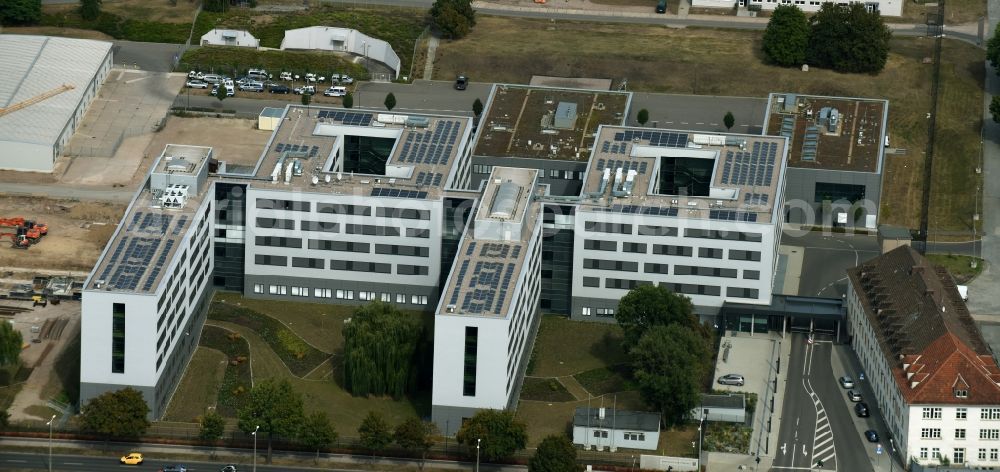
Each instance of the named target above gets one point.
<point>607,429</point>
<point>885,7</point>
<point>228,37</point>
<point>51,81</point>
<point>327,38</point>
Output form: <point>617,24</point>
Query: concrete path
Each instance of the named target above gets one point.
<point>31,393</point>
<point>432,45</point>
<point>574,387</point>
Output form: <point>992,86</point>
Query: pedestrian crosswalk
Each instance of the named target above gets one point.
<point>824,454</point>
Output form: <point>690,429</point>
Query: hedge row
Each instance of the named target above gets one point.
<point>236,382</point>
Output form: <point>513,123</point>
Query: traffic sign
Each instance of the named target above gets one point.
<point>878,449</point>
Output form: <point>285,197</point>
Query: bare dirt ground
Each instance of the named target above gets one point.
<point>57,31</point>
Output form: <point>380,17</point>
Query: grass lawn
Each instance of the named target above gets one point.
<point>199,388</point>
<point>64,380</point>
<point>297,355</point>
<point>728,62</point>
<point>544,390</point>
<point>149,10</point>
<point>676,442</point>
<point>565,347</point>
<point>605,380</point>
<point>958,266</point>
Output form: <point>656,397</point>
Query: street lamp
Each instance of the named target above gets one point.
<point>53,420</point>
<point>254,433</point>
<point>478,440</point>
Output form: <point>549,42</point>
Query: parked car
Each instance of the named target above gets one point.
<point>258,74</point>
<point>173,468</point>
<point>346,79</point>
<point>732,379</point>
<point>228,468</point>
<point>661,7</point>
<point>198,84</point>
<point>335,91</point>
<point>132,458</point>
<point>230,91</point>
<point>461,83</point>
<point>195,75</point>
<point>285,76</point>
<point>861,409</point>
<point>305,90</point>
<point>871,436</point>
<point>310,77</point>
<point>280,89</point>
<point>252,87</point>
<point>846,382</point>
<point>212,78</point>
<point>854,395</point>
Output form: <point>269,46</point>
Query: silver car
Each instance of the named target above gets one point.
<point>846,382</point>
<point>854,395</point>
<point>732,379</point>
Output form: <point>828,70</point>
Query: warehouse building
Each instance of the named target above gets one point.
<point>346,40</point>
<point>47,84</point>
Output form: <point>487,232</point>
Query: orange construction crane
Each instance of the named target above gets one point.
<point>37,98</point>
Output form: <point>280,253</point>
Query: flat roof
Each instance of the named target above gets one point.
<point>420,163</point>
<point>853,142</point>
<point>745,183</point>
<point>30,66</point>
<point>485,271</point>
<point>182,159</point>
<point>518,121</point>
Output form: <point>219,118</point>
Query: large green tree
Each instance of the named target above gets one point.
<point>454,18</point>
<point>993,49</point>
<point>556,453</point>
<point>786,37</point>
<point>273,406</point>
<point>10,344</point>
<point>118,414</point>
<point>380,344</point>
<point>651,305</point>
<point>20,12</point>
<point>317,432</point>
<point>669,364</point>
<point>498,433</point>
<point>90,9</point>
<point>848,38</point>
<point>212,426</point>
<point>416,436</point>
<point>374,432</point>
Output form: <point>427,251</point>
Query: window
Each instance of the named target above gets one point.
<point>366,296</point>
<point>591,281</point>
<point>471,354</point>
<point>264,259</point>
<point>585,311</point>
<point>267,204</point>
<point>307,262</point>
<point>651,268</point>
<point>275,223</point>
<point>361,266</point>
<point>553,173</point>
<point>932,433</point>
<point>400,298</point>
<point>638,248</point>
<point>300,291</point>
<point>418,299</point>
<point>669,250</point>
<point>710,252</point>
<point>278,241</point>
<point>740,255</point>
<point>118,338</point>
<point>323,293</point>
<point>994,454</point>
<point>961,413</point>
<point>931,413</point>
<point>418,233</point>
<point>982,454</point>
<point>964,393</point>
<point>923,453</point>
<point>404,213</point>
<point>646,230</point>
<point>386,297</point>
<point>600,245</point>
<point>705,271</point>
<point>605,264</point>
<point>398,250</point>
<point>277,290</point>
<point>605,312</point>
<point>721,234</point>
<point>960,433</point>
<point>989,434</point>
<point>958,455</point>
<point>600,434</point>
<point>935,453</point>
<point>321,226</point>
<point>258,288</point>
<point>345,294</point>
<point>989,414</point>
<point>602,227</point>
<point>751,275</point>
<point>343,246</point>
<point>406,269</point>
<point>740,292</point>
<point>339,209</point>
<point>624,284</point>
<point>635,436</point>
<point>371,230</point>
<point>481,169</point>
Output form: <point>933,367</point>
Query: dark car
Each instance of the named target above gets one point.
<point>173,468</point>
<point>871,436</point>
<point>461,82</point>
<point>280,89</point>
<point>661,7</point>
<point>861,409</point>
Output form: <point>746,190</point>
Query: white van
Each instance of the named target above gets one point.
<point>212,78</point>
<point>259,74</point>
<point>336,92</point>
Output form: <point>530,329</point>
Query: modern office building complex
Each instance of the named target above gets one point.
<point>349,207</point>
<point>934,377</point>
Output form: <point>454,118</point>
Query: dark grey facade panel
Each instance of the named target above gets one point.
<point>557,186</point>
<point>800,190</point>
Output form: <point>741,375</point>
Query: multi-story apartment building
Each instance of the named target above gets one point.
<point>486,321</point>
<point>933,376</point>
<point>697,213</point>
<point>143,304</point>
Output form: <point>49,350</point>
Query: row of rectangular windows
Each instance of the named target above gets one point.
<point>960,433</point>
<point>645,230</point>
<point>343,209</point>
<point>687,289</point>
<point>651,268</point>
<point>345,246</point>
<point>340,294</point>
<point>328,227</point>
<point>935,413</point>
<point>336,264</point>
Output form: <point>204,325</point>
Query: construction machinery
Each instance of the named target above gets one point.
<point>23,233</point>
<point>18,241</point>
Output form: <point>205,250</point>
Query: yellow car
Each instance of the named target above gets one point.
<point>133,458</point>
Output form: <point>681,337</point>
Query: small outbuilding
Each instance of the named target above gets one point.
<point>891,237</point>
<point>610,429</point>
<point>229,37</point>
<point>270,118</point>
<point>729,408</point>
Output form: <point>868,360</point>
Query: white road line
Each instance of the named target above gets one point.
<point>73,463</point>
<point>18,461</point>
<point>135,80</point>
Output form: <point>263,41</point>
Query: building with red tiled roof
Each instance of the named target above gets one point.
<point>933,375</point>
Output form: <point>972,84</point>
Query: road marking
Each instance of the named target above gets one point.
<point>73,463</point>
<point>19,461</point>
<point>135,80</point>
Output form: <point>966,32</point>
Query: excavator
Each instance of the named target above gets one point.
<point>25,232</point>
<point>19,241</point>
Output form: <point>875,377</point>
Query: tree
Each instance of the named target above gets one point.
<point>786,37</point>
<point>374,432</point>
<point>729,120</point>
<point>380,344</point>
<point>4,418</point>
<point>642,117</point>
<point>993,49</point>
<point>317,432</point>
<point>390,101</point>
<point>652,305</point>
<point>499,432</point>
<point>848,38</point>
<point>477,107</point>
<point>212,425</point>
<point>273,406</point>
<point>348,100</point>
<point>20,12</point>
<point>306,100</point>
<point>669,364</point>
<point>994,110</point>
<point>454,18</point>
<point>416,436</point>
<point>221,91</point>
<point>90,9</point>
<point>10,344</point>
<point>118,414</point>
<point>556,453</point>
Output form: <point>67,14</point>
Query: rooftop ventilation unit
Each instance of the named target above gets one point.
<point>418,122</point>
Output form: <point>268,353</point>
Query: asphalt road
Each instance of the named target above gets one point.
<point>827,258</point>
